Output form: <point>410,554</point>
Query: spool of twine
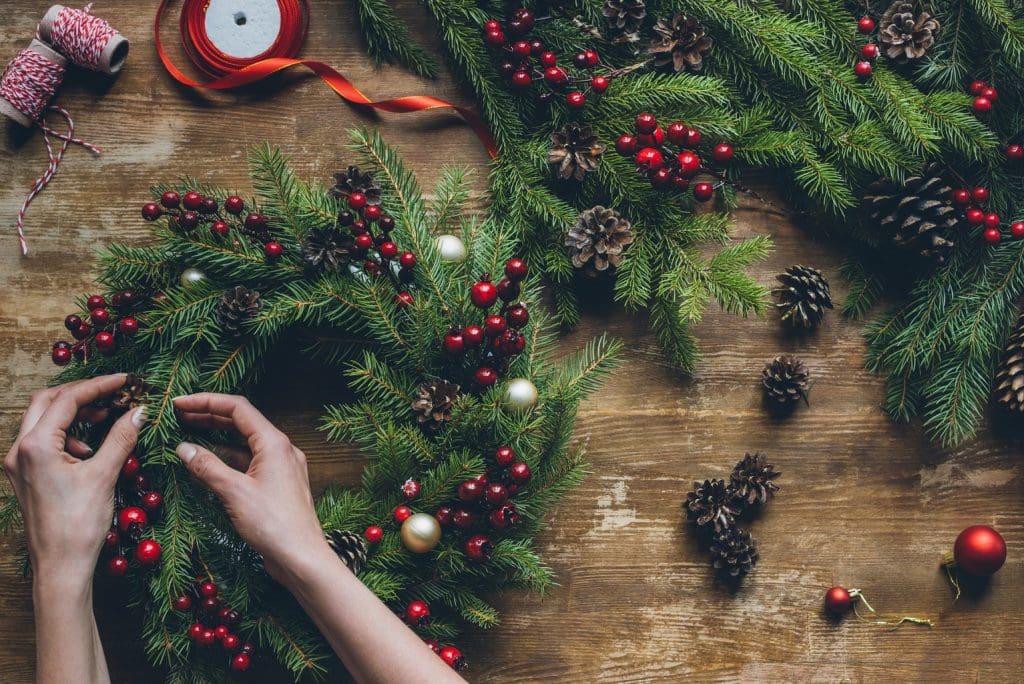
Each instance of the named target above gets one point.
<point>30,81</point>
<point>86,40</point>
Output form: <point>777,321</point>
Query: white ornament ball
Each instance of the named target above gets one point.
<point>421,532</point>
<point>451,249</point>
<point>520,393</point>
<point>190,276</point>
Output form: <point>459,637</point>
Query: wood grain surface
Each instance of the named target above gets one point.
<point>864,503</point>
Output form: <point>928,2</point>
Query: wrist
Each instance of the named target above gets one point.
<point>67,588</point>
<point>301,571</point>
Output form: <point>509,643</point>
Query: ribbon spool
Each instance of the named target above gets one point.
<point>30,81</point>
<point>87,41</point>
<point>240,42</point>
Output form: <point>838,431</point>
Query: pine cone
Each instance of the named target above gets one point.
<point>711,502</point>
<point>598,239</point>
<point>904,34</point>
<point>327,250</point>
<point>575,151</point>
<point>733,553</point>
<point>1009,391</point>
<point>132,394</point>
<point>786,380</point>
<point>238,305</point>
<point>350,547</point>
<point>434,402</point>
<point>751,479</point>
<point>680,42</point>
<point>354,180</point>
<point>919,214</point>
<point>625,16</point>
<point>803,297</point>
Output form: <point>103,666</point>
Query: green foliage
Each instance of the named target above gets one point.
<point>382,353</point>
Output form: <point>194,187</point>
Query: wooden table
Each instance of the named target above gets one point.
<point>864,503</point>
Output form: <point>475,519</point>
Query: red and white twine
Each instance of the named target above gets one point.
<point>80,36</point>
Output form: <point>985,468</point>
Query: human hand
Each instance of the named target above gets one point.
<point>67,503</point>
<point>266,493</point>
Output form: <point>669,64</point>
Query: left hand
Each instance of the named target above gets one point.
<point>67,503</point>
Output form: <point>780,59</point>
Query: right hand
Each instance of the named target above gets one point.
<point>266,493</point>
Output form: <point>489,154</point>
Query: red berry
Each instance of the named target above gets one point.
<point>273,249</point>
<point>96,302</point>
<point>207,589</point>
<point>478,548</point>
<point>195,630</point>
<point>170,199</point>
<point>625,145</point>
<point>152,501</point>
<point>1017,230</point>
<point>364,241</point>
<point>72,322</point>
<point>519,472</point>
<point>576,99</point>
<point>961,196</point>
<point>492,25</point>
<point>495,38</point>
<point>207,638</point>
<point>473,335</point>
<point>454,343</point>
<point>580,60</point>
<point>991,220</point>
<point>677,133</point>
<point>548,59</point>
<point>128,326</point>
<point>869,51</point>
<point>1014,152</point>
<point>982,105</point>
<point>240,662</point>
<point>693,137</point>
<point>220,631</point>
<point>192,200</point>
<point>504,455</point>
<point>485,376</point>
<point>646,123</point>
<point>992,236</point>
<point>977,86</point>
<point>234,205</point>
<point>453,657</point>
<point>866,25</point>
<point>374,534</point>
<point>131,467</point>
<point>722,153</point>
<point>151,211</point>
<point>148,552</point>
<point>496,494</point>
<point>470,491</point>
<point>401,514</point>
<point>219,228</point>
<point>188,220</point>
<point>990,93</point>
<point>516,269</point>
<point>444,516</point>
<point>357,200</point>
<point>182,603</point>
<point>483,293</point>
<point>210,604</point>
<point>231,642</point>
<point>410,488</point>
<point>117,566</point>
<point>388,250</point>
<point>99,317</point>
<point>521,79</point>
<point>838,601</point>
<point>521,48</point>
<point>979,194</point>
<point>463,519</point>
<point>256,222</point>
<point>433,645</point>
<point>372,212</point>
<point>702,192</point>
<point>407,260</point>
<point>649,159</point>
<point>863,68</point>
<point>689,164</point>
<point>494,325</point>
<point>592,59</point>
<point>655,139</point>
<point>61,356</point>
<point>518,316</point>
<point>416,613</point>
<point>555,75</point>
<point>82,332</point>
<point>599,84</point>
<point>112,539</point>
<point>661,178</point>
<point>105,342</point>
<point>974,216</point>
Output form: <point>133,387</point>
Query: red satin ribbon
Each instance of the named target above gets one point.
<point>229,72</point>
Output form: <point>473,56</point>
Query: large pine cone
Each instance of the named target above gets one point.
<point>751,479</point>
<point>598,239</point>
<point>327,250</point>
<point>350,547</point>
<point>1009,391</point>
<point>711,502</point>
<point>680,42</point>
<point>733,553</point>
<point>354,180</point>
<point>918,215</point>
<point>625,16</point>
<point>132,394</point>
<point>575,151</point>
<point>906,34</point>
<point>786,380</point>
<point>433,403</point>
<point>803,297</point>
<point>238,305</point>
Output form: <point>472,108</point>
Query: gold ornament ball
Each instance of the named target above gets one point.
<point>421,532</point>
<point>190,276</point>
<point>520,394</point>
<point>451,249</point>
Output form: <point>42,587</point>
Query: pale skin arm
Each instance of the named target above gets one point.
<point>268,497</point>
<point>67,504</point>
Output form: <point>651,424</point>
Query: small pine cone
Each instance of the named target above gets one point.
<point>238,305</point>
<point>711,503</point>
<point>918,215</point>
<point>575,151</point>
<point>680,42</point>
<point>625,16</point>
<point>803,297</point>
<point>132,394</point>
<point>327,250</point>
<point>1009,391</point>
<point>433,403</point>
<point>786,380</point>
<point>350,547</point>
<point>733,553</point>
<point>751,479</point>
<point>906,34</point>
<point>354,180</point>
<point>597,241</point>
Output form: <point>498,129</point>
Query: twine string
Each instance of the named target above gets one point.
<point>892,621</point>
<point>80,36</point>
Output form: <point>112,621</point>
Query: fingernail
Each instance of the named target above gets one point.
<point>186,452</point>
<point>139,416</point>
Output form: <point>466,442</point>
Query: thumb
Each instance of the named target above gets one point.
<point>120,442</point>
<point>206,467</point>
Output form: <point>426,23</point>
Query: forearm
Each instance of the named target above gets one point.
<point>372,642</point>
<point>68,647</point>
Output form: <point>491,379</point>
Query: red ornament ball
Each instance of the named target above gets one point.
<point>979,194</point>
<point>478,548</point>
<point>979,550</point>
<point>516,269</point>
<point>722,153</point>
<point>599,84</point>
<point>273,249</point>
<point>866,25</point>
<point>982,105</point>
<point>483,293</point>
<point>453,657</point>
<point>838,601</point>
<point>417,613</point>
<point>576,99</point>
<point>977,86</point>
<point>504,455</point>
<point>401,514</point>
<point>1017,230</point>
<point>992,236</point>
<point>649,159</point>
<point>485,376</point>
<point>702,192</point>
<point>374,534</point>
<point>1015,152</point>
<point>863,68</point>
<point>869,51</point>
<point>646,123</point>
<point>240,662</point>
<point>131,517</point>
<point>974,216</point>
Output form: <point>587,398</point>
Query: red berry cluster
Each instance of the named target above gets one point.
<point>666,168</point>
<point>212,622</point>
<point>132,520</point>
<point>526,62</point>
<point>385,257</point>
<point>984,96</point>
<point>100,330</point>
<point>972,201</point>
<point>868,52</point>
<point>417,614</point>
<point>499,338</point>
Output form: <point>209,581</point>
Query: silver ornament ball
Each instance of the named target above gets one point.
<point>190,276</point>
<point>520,393</point>
<point>451,249</point>
<point>421,532</point>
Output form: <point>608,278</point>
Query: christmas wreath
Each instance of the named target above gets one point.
<point>464,416</point>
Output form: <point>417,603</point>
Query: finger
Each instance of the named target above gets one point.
<point>249,422</point>
<point>77,448</point>
<point>206,421</point>
<point>69,399</point>
<point>236,457</point>
<point>119,443</point>
<point>204,465</point>
<point>39,403</point>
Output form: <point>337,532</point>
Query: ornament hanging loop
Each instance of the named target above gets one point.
<point>876,618</point>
